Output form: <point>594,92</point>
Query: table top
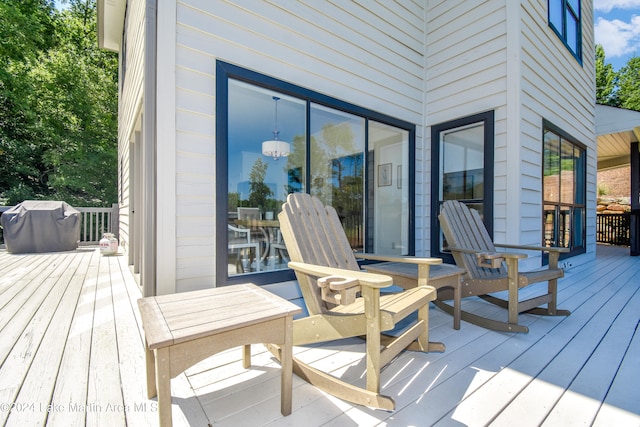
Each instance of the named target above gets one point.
<point>171,319</point>
<point>410,270</point>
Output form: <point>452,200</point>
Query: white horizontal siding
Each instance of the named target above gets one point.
<point>129,104</point>
<point>557,88</point>
<point>367,53</point>
<point>326,47</point>
<point>502,56</point>
<point>376,54</point>
<point>466,74</point>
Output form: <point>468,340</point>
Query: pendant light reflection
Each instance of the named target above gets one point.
<point>274,147</point>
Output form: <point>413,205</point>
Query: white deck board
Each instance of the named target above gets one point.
<point>70,336</point>
<point>620,406</point>
<point>581,402</point>
<point>71,386</point>
<point>43,372</point>
<point>549,367</point>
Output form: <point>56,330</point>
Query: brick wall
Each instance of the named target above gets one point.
<point>615,182</point>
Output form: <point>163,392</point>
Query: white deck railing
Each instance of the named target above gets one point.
<point>94,222</point>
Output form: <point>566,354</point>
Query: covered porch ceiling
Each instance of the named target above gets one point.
<point>616,129</point>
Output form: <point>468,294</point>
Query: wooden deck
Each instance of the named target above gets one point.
<point>71,353</point>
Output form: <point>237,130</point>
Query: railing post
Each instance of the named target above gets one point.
<point>634,232</point>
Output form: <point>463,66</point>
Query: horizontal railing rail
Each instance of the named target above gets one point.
<point>94,222</point>
<point>613,228</point>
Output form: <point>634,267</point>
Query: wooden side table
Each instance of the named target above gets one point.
<point>444,277</point>
<point>183,329</point>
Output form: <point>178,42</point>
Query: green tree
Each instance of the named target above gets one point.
<point>606,80</point>
<point>259,192</point>
<point>76,100</point>
<point>27,27</point>
<point>58,105</point>
<point>629,84</point>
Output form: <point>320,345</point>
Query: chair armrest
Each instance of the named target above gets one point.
<point>495,259</point>
<point>405,259</point>
<point>369,280</point>
<point>239,230</point>
<point>338,289</point>
<point>489,259</point>
<point>532,248</point>
<point>474,251</point>
<point>553,251</point>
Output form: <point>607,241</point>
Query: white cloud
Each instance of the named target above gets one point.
<point>607,6</point>
<point>618,38</point>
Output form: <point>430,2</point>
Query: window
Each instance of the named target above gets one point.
<point>351,158</point>
<point>463,149</point>
<point>565,19</point>
<point>564,191</point>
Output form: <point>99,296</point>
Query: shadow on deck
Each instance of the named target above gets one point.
<point>71,353</point>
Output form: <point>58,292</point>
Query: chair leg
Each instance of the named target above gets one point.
<point>496,325</point>
<point>372,314</point>
<point>423,339</point>
<point>553,293</point>
<point>335,386</point>
<point>512,272</point>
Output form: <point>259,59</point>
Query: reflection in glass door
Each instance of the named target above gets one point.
<point>389,207</point>
<point>359,161</point>
<point>462,165</point>
<point>337,167</point>
<point>258,182</point>
<point>463,150</point>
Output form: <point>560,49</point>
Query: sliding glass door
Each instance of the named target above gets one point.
<point>356,160</point>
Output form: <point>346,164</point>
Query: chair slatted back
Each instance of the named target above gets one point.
<point>313,234</point>
<point>463,227</point>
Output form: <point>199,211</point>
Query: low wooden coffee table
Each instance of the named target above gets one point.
<point>444,277</point>
<point>183,329</point>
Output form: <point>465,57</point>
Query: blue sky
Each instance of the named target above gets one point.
<point>617,29</point>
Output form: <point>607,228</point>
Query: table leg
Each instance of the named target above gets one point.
<point>246,356</point>
<point>163,384</point>
<point>287,367</point>
<point>150,361</point>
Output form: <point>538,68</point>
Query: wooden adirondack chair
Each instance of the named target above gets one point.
<point>331,284</point>
<point>472,248</point>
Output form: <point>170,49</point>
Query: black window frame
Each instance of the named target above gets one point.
<point>488,119</point>
<point>562,33</point>
<point>573,251</point>
<point>226,71</point>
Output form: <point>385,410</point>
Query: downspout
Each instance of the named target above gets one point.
<point>150,148</point>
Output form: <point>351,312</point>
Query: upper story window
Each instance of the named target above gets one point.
<point>565,19</point>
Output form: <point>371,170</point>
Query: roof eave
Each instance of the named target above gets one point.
<point>110,23</point>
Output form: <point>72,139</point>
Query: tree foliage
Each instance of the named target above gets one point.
<point>606,80</point>
<point>617,89</point>
<point>629,84</point>
<point>58,105</point>
<point>259,192</point>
